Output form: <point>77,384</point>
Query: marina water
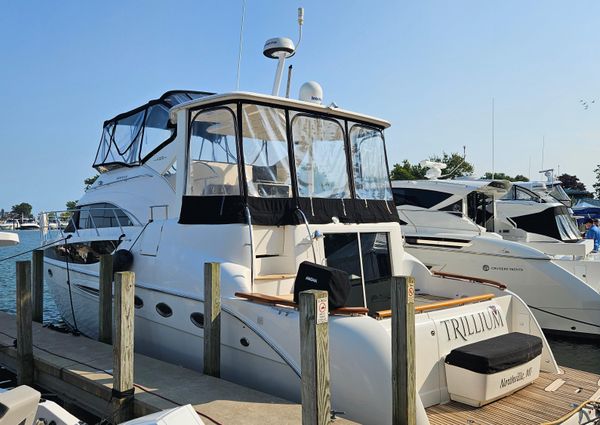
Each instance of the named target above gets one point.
<point>574,353</point>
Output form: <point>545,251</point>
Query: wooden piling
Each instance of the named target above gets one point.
<point>314,346</point>
<point>37,285</point>
<point>212,319</point>
<point>403,351</point>
<point>122,399</point>
<point>24,324</point>
<point>105,318</point>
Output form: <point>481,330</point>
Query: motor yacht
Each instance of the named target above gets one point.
<point>10,224</point>
<point>449,225</point>
<point>29,224</point>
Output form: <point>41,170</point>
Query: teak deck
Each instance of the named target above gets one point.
<point>531,405</point>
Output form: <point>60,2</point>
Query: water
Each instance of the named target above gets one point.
<point>30,239</point>
<point>569,352</point>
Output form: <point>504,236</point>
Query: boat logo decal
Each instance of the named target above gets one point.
<point>501,268</point>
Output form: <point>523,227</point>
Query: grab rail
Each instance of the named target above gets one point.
<point>274,300</point>
<point>470,279</point>
<point>441,304</point>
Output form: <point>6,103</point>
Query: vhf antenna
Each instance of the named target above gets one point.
<point>281,48</point>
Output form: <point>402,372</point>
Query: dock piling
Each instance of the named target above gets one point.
<point>403,351</point>
<point>105,319</point>
<point>37,285</point>
<point>24,324</point>
<point>314,346</point>
<point>212,319</point>
<point>123,389</point>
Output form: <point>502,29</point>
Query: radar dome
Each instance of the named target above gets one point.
<point>311,92</point>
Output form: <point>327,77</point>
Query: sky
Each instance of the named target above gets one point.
<point>431,68</point>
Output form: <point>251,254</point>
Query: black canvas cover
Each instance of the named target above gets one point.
<point>315,276</point>
<point>496,354</point>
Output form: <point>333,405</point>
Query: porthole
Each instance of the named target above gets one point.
<point>244,342</point>
<point>197,319</point>
<point>137,302</point>
<point>50,272</point>
<point>164,310</point>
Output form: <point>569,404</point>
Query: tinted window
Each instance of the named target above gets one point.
<point>418,197</point>
<point>101,215</point>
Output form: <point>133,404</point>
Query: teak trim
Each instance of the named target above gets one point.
<point>274,300</point>
<point>441,304</point>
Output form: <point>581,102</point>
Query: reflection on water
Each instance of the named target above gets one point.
<point>574,353</point>
<point>30,239</point>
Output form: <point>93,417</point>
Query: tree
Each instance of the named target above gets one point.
<point>571,182</point>
<point>22,209</point>
<point>90,181</point>
<point>502,176</point>
<point>71,205</point>
<point>407,171</point>
<point>456,167</point>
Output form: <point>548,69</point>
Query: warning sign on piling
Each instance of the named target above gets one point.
<point>410,291</point>
<point>322,310</point>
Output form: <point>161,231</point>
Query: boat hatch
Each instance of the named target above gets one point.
<point>272,161</point>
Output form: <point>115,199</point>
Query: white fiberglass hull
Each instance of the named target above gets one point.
<point>560,300</point>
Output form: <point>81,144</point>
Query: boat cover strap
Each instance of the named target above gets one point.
<point>496,354</point>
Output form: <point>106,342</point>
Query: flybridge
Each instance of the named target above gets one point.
<point>131,138</point>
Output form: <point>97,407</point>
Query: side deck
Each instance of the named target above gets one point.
<point>549,398</point>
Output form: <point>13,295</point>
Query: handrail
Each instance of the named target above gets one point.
<point>274,300</point>
<point>470,279</point>
<point>441,304</point>
<point>251,233</point>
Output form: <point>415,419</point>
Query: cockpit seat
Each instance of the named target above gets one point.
<point>484,371</point>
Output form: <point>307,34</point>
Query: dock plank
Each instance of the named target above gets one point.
<point>84,373</point>
<point>530,405</point>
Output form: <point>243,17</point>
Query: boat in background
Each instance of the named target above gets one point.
<point>29,224</point>
<point>10,224</point>
<point>449,224</point>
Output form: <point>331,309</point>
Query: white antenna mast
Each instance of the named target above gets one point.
<point>237,80</point>
<point>493,139</point>
<point>281,48</point>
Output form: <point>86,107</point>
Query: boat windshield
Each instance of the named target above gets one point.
<point>560,195</point>
<point>131,138</point>
<point>270,138</point>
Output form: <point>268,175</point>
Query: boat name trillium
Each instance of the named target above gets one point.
<point>475,323</point>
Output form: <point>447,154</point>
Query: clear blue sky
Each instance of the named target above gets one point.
<point>429,67</point>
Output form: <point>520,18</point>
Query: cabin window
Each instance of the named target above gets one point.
<point>368,264</point>
<point>96,216</point>
<point>371,178</point>
<point>266,152</point>
<point>213,169</point>
<point>418,197</point>
<point>320,157</point>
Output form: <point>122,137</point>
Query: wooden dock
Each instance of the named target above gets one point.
<point>545,400</point>
<point>78,369</point>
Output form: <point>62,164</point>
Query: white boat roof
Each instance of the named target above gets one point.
<point>460,187</point>
<point>8,239</point>
<point>276,101</point>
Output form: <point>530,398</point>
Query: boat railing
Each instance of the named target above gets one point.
<point>59,217</point>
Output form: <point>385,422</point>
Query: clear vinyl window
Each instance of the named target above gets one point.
<point>320,157</point>
<point>371,178</point>
<point>213,163</point>
<point>266,156</point>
